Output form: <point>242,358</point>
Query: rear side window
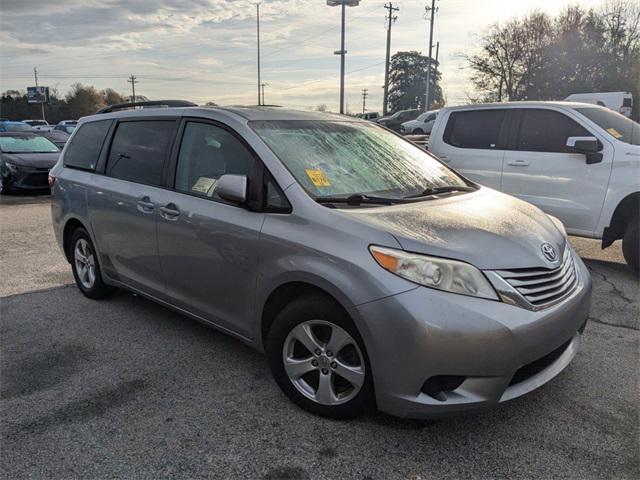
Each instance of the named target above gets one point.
<point>139,149</point>
<point>547,131</point>
<point>474,129</point>
<point>626,102</point>
<point>84,148</point>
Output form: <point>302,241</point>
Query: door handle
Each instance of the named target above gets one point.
<point>518,163</point>
<point>170,211</point>
<point>145,204</point>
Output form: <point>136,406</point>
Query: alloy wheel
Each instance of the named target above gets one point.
<point>85,263</point>
<point>324,362</point>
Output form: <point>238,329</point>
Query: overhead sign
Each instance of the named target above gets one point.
<point>38,94</point>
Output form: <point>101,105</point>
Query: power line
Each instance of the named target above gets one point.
<point>391,18</point>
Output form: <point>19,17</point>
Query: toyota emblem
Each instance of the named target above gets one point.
<point>549,252</point>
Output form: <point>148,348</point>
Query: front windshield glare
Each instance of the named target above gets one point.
<point>26,145</point>
<point>336,158</point>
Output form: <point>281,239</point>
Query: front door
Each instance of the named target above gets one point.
<point>539,169</point>
<point>209,248</point>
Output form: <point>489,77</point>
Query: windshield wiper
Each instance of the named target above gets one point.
<point>445,189</point>
<point>358,199</point>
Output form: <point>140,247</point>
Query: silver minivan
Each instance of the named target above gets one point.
<point>371,274</point>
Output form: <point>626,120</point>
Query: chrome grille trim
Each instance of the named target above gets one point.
<point>538,288</point>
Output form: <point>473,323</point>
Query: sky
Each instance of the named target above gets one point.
<point>205,50</point>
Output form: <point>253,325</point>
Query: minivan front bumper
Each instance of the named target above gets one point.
<point>487,351</point>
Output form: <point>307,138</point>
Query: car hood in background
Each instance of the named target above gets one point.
<point>486,228</point>
<point>35,160</point>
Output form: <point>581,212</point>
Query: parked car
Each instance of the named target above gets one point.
<point>421,125</point>
<point>25,161</point>
<point>577,162</point>
<point>394,121</point>
<point>10,126</point>
<point>36,123</point>
<point>66,126</point>
<point>371,116</point>
<point>369,272</point>
<point>621,102</point>
<point>58,137</point>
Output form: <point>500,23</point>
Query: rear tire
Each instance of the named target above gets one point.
<point>321,390</point>
<point>631,245</point>
<point>417,131</point>
<point>85,267</point>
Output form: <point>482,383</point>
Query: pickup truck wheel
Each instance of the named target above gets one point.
<point>631,245</point>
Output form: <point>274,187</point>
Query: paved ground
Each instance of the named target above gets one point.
<point>127,389</point>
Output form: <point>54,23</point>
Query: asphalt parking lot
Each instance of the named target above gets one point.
<point>124,388</point>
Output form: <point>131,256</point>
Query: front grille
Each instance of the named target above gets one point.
<point>37,180</point>
<point>543,286</point>
<point>535,367</point>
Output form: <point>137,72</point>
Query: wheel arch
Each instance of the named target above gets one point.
<point>288,291</point>
<point>626,209</point>
<point>71,225</point>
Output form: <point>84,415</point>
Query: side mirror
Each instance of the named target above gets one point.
<point>590,146</point>
<point>233,188</point>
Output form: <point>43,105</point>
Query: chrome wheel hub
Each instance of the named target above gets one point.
<point>85,263</point>
<point>323,362</point>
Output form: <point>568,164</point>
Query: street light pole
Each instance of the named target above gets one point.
<point>342,52</point>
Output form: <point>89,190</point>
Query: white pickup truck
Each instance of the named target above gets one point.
<point>578,162</point>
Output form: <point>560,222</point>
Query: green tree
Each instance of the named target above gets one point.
<point>82,100</point>
<point>407,82</point>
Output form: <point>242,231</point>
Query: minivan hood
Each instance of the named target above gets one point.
<point>36,160</point>
<point>486,228</point>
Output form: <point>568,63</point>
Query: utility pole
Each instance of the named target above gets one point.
<point>133,80</point>
<point>391,18</point>
<point>432,10</point>
<point>365,94</point>
<point>263,85</point>
<point>35,74</point>
<point>258,33</point>
<point>342,52</point>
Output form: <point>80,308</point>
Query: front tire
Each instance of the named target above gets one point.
<point>318,359</point>
<point>417,131</point>
<point>631,245</point>
<point>86,270</point>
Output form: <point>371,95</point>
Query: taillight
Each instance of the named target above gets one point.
<point>51,179</point>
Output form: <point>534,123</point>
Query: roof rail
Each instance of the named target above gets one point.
<point>154,103</point>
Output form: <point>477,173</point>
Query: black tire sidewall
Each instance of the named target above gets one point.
<point>417,131</point>
<point>316,307</point>
<point>99,289</point>
<point>631,246</point>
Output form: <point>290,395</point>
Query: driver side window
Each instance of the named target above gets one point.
<point>547,131</point>
<point>206,153</point>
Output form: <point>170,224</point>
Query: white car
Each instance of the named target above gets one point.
<point>421,125</point>
<point>577,162</point>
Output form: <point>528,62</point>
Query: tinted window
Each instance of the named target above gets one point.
<point>547,131</point>
<point>474,129</point>
<point>138,151</point>
<point>206,153</point>
<point>84,148</point>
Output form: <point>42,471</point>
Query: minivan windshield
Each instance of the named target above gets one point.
<point>341,159</point>
<point>618,126</point>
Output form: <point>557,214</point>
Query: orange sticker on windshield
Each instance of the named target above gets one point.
<point>614,132</point>
<point>318,178</point>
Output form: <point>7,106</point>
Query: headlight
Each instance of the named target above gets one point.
<point>559,225</point>
<point>10,167</point>
<point>433,272</point>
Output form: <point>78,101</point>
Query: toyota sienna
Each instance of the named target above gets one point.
<point>371,274</point>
